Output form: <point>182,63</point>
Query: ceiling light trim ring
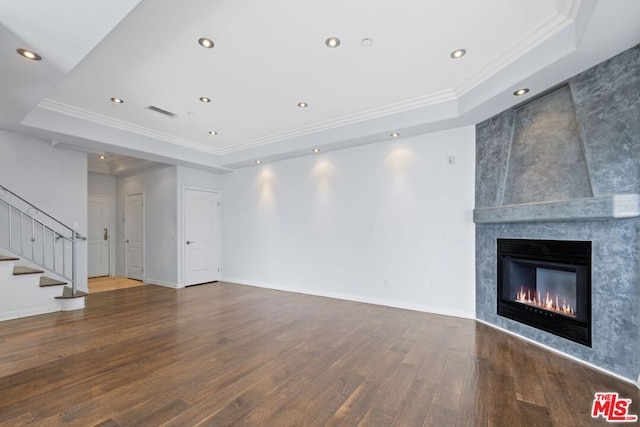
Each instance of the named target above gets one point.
<point>28,54</point>
<point>206,43</point>
<point>366,42</point>
<point>458,53</point>
<point>332,42</point>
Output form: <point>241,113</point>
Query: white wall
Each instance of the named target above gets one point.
<point>189,177</point>
<point>341,223</point>
<point>53,179</point>
<point>99,183</point>
<point>193,178</point>
<point>160,228</point>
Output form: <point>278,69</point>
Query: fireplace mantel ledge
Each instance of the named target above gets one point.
<point>615,206</point>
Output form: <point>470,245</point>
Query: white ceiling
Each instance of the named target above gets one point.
<point>117,165</point>
<point>268,56</point>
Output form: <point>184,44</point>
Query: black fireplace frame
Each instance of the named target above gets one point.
<point>564,255</point>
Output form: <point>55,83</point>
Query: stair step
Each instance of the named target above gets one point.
<point>48,281</point>
<point>25,270</point>
<point>66,294</point>
<point>8,258</point>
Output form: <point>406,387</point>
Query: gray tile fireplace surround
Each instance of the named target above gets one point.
<point>566,166</point>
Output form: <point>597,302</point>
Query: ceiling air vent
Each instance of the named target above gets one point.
<point>161,111</point>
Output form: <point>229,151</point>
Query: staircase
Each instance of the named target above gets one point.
<point>26,292</point>
<point>35,244</point>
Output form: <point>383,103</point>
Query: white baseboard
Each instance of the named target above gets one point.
<point>71,304</point>
<point>159,282</point>
<point>17,314</point>
<point>358,298</point>
<point>562,353</point>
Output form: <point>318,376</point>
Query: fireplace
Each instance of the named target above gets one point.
<point>547,284</point>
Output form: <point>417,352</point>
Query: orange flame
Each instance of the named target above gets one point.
<point>548,302</point>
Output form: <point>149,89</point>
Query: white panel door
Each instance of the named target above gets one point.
<point>201,225</point>
<point>98,211</point>
<point>135,236</point>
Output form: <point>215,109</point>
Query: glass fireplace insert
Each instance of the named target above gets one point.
<point>546,284</point>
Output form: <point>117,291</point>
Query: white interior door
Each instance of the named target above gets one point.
<point>202,231</point>
<point>98,235</point>
<point>134,219</point>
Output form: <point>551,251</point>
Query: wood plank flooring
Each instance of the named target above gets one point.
<point>110,283</point>
<point>224,354</point>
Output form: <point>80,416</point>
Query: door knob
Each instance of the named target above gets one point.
<point>106,234</point>
<point>189,242</point>
<point>126,241</point>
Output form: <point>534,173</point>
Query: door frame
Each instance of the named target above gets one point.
<point>110,272</point>
<point>126,232</point>
<point>183,233</point>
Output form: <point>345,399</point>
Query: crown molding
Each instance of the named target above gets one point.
<point>566,11</point>
<point>374,113</point>
<point>522,46</point>
<point>399,107</point>
<point>80,113</point>
<point>564,17</point>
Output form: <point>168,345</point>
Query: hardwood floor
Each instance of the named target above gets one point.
<point>224,354</point>
<point>110,283</point>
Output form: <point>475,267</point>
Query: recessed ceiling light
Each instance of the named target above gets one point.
<point>117,100</point>
<point>213,132</point>
<point>102,157</point>
<point>332,42</point>
<point>521,92</point>
<point>29,54</point>
<point>205,42</point>
<point>303,104</point>
<point>366,42</point>
<point>205,99</point>
<point>394,135</point>
<point>316,150</point>
<point>458,53</point>
<point>257,162</point>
